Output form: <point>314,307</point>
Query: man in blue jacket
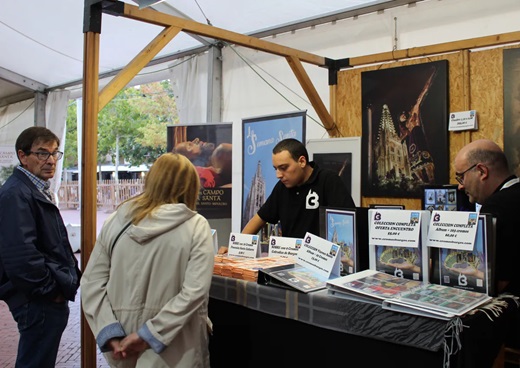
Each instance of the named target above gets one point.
<point>38,271</point>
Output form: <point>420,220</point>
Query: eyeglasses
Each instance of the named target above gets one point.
<point>460,176</point>
<point>44,156</point>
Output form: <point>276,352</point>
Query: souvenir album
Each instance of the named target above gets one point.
<point>397,243</point>
<point>471,270</point>
<point>293,276</point>
<point>436,301</point>
<point>369,286</point>
<point>406,296</point>
<point>316,261</point>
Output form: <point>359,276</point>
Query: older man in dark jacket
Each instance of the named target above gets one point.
<point>38,271</point>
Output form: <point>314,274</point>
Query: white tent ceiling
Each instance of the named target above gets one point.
<point>41,42</point>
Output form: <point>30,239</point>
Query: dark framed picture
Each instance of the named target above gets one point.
<point>341,155</point>
<point>405,129</point>
<point>259,137</point>
<point>512,108</point>
<point>339,227</point>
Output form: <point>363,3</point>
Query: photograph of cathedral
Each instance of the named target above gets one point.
<point>405,129</point>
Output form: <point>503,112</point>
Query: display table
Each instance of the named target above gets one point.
<point>263,326</point>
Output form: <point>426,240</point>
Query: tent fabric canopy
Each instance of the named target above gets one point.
<point>44,39</point>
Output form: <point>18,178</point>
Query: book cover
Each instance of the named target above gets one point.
<point>292,276</point>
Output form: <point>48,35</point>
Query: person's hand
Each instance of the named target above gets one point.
<point>132,344</point>
<point>222,250</point>
<point>114,345</point>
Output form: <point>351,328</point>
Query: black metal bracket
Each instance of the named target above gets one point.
<point>334,67</point>
<point>95,8</point>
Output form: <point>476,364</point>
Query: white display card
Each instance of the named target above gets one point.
<point>319,255</point>
<point>286,247</point>
<point>463,120</point>
<point>244,245</point>
<point>397,228</point>
<point>453,229</point>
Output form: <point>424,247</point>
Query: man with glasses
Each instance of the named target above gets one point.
<point>482,172</point>
<point>39,273</point>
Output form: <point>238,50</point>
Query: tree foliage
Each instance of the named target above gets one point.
<point>133,124</point>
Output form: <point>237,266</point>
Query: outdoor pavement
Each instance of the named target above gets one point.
<point>69,355</point>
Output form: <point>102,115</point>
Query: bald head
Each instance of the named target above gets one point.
<point>482,166</point>
<point>486,152</point>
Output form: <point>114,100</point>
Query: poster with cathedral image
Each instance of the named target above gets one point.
<point>405,129</point>
<point>259,136</point>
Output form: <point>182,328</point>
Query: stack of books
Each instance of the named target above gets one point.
<point>246,269</point>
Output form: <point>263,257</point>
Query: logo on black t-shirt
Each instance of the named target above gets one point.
<point>312,201</point>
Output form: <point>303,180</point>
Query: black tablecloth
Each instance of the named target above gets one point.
<point>257,325</point>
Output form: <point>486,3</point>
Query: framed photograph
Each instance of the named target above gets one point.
<point>405,129</point>
<point>209,148</point>
<point>259,137</point>
<point>511,70</point>
<point>342,155</point>
<point>339,227</point>
<point>445,197</point>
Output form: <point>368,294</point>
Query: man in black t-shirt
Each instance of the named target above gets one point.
<point>302,188</point>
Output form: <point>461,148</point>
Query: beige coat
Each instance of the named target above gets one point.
<point>156,282</point>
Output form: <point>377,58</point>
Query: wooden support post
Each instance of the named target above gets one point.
<point>88,178</point>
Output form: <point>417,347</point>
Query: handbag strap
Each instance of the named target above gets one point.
<point>119,235</point>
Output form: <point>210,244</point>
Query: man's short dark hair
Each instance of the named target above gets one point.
<point>33,135</point>
<point>294,147</point>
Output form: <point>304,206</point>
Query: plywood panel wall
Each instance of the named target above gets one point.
<point>475,83</point>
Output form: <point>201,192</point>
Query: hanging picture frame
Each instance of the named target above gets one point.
<point>342,155</point>
<point>405,129</point>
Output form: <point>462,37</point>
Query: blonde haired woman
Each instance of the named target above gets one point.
<point>145,289</point>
